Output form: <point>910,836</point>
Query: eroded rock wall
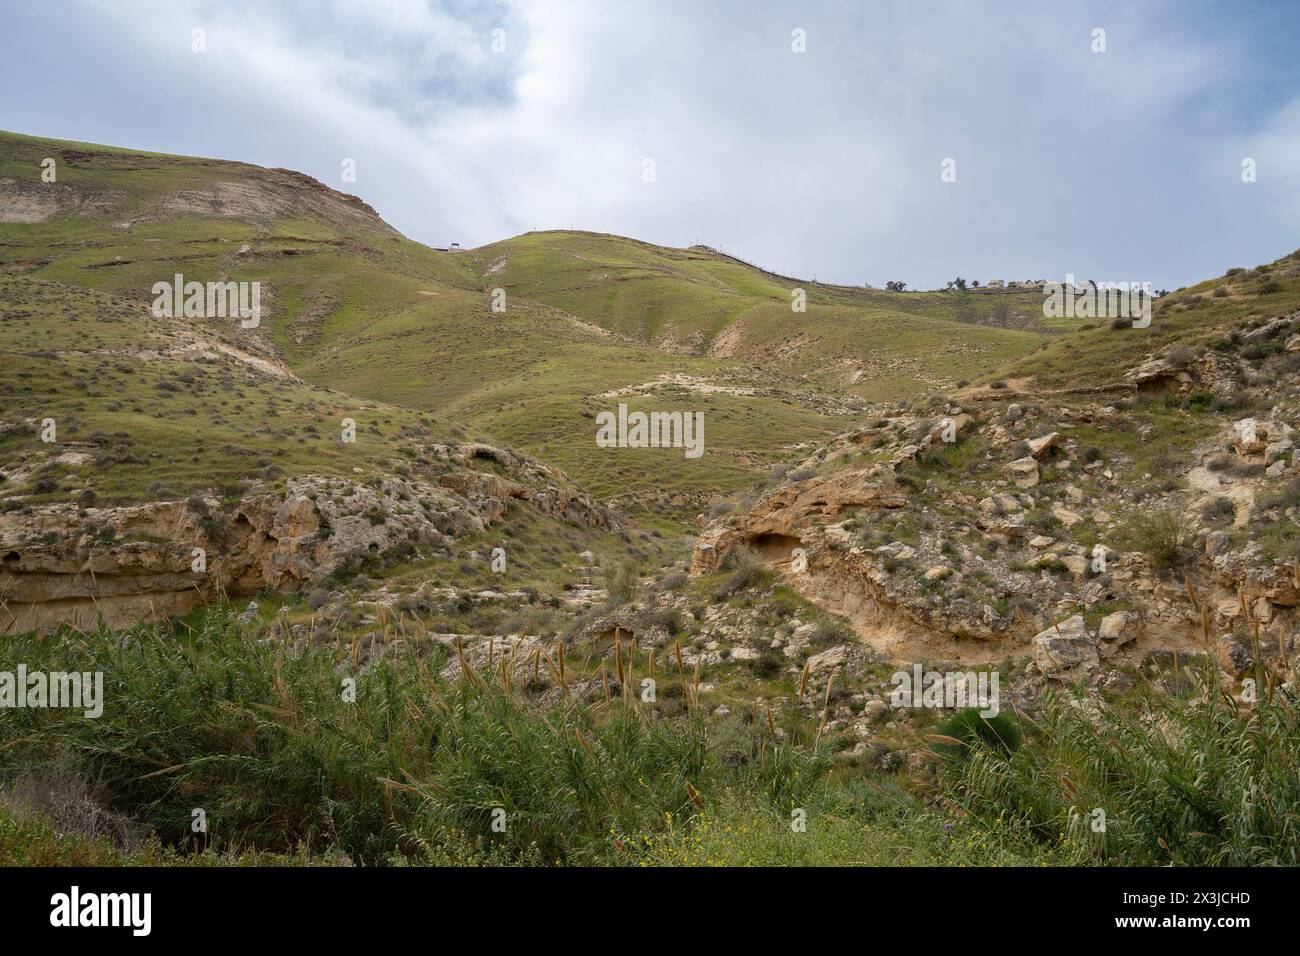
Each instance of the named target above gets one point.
<point>64,564</point>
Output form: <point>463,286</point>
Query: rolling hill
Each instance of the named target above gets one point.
<point>350,305</point>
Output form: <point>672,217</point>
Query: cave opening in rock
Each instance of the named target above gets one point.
<point>607,636</point>
<point>773,548</point>
<point>1159,385</point>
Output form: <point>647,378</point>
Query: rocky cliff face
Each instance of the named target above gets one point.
<point>64,564</point>
<point>990,529</point>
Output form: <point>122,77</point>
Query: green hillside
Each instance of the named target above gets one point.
<point>1189,319</point>
<point>588,321</point>
<point>874,344</point>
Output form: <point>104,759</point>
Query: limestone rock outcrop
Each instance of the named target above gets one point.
<point>62,564</point>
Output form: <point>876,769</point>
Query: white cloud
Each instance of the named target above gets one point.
<point>824,162</point>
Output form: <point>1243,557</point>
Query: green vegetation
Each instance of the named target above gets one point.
<point>1160,536</point>
<point>300,749</point>
<point>969,729</point>
<point>1189,779</point>
<point>386,323</point>
<point>263,738</point>
<point>1188,320</point>
<point>153,426</point>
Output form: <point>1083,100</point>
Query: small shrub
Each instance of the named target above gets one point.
<point>746,571</point>
<point>1288,496</point>
<point>673,581</point>
<point>622,582</point>
<point>1158,535</point>
<point>1220,507</point>
<point>999,733</point>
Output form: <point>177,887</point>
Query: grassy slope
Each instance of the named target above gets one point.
<point>356,308</point>
<point>157,427</point>
<point>1192,317</point>
<point>699,300</point>
<point>80,345</point>
<point>351,305</point>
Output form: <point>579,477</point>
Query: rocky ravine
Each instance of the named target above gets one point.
<point>64,564</point>
<point>988,552</point>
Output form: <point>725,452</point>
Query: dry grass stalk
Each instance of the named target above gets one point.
<point>1191,593</point>
<point>826,703</point>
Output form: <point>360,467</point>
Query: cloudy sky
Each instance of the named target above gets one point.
<point>475,121</point>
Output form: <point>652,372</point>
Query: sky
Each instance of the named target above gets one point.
<point>810,138</point>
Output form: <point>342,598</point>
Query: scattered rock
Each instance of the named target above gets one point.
<point>1064,647</point>
<point>1065,515</point>
<point>1043,446</point>
<point>1023,471</point>
<point>1117,628</point>
<point>1234,657</point>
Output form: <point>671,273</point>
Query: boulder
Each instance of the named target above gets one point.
<point>831,659</point>
<point>1233,656</point>
<point>1252,438</point>
<point>1077,565</point>
<point>1267,330</point>
<point>875,709</point>
<point>1023,471</point>
<point>953,426</point>
<point>1156,374</point>
<point>1007,503</point>
<point>1217,543</point>
<point>1064,647</point>
<point>1279,450</point>
<point>1065,515</point>
<point>1043,446</point>
<point>1117,628</point>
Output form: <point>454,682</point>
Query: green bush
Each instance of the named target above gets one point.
<point>261,738</point>
<point>999,733</point>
